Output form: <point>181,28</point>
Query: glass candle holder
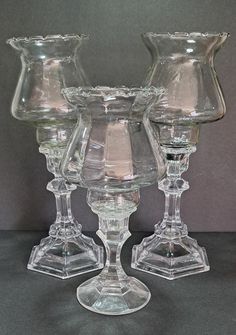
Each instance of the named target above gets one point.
<point>182,63</point>
<point>49,64</point>
<point>113,153</point>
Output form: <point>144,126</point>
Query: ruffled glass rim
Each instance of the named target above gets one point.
<point>47,38</point>
<point>186,35</point>
<point>105,91</point>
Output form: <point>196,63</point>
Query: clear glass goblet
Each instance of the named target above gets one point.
<point>113,153</point>
<point>182,63</point>
<point>49,64</point>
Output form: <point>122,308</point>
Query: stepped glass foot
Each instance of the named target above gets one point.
<point>170,258</point>
<point>115,298</point>
<point>65,255</point>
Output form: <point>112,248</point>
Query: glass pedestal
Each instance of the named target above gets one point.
<point>170,253</point>
<point>66,252</point>
<point>113,292</point>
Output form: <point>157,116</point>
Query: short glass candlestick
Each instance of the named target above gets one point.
<point>113,152</point>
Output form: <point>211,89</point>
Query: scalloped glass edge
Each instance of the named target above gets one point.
<point>31,39</point>
<point>187,34</point>
<point>103,91</point>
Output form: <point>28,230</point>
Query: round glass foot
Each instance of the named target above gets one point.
<point>113,297</point>
<point>170,258</point>
<point>65,256</point>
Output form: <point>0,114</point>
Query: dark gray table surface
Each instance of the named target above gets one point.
<point>36,304</point>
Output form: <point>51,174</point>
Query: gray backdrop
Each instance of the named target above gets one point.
<point>116,55</point>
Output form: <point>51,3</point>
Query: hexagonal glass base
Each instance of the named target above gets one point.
<point>113,297</point>
<point>169,258</point>
<point>66,256</point>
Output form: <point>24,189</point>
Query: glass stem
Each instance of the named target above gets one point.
<point>113,233</point>
<point>172,208</point>
<point>65,224</point>
<point>173,186</point>
<point>113,210</point>
<point>63,202</point>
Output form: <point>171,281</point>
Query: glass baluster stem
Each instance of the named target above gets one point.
<point>113,211</point>
<point>173,186</point>
<point>113,233</point>
<point>65,224</point>
<point>172,210</point>
<point>63,204</point>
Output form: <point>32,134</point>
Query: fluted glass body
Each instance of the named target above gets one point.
<point>183,64</point>
<point>113,151</point>
<point>50,64</point>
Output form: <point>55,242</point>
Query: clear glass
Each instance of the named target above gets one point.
<point>182,63</point>
<point>113,152</point>
<point>49,64</point>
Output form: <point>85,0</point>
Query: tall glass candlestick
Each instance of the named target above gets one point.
<point>182,63</point>
<point>49,64</point>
